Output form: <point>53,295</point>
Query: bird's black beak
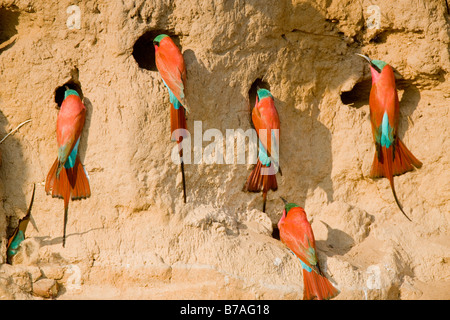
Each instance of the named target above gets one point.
<point>370,62</point>
<point>364,57</point>
<point>29,209</point>
<point>284,200</point>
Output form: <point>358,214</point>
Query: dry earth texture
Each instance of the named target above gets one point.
<point>134,238</point>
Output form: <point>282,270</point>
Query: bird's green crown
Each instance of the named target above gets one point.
<point>263,93</point>
<point>158,39</point>
<point>70,92</point>
<point>289,206</point>
<point>379,63</point>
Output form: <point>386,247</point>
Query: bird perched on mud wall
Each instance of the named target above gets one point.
<point>19,233</point>
<point>392,157</point>
<point>267,124</point>
<point>296,233</point>
<point>171,67</point>
<point>67,178</point>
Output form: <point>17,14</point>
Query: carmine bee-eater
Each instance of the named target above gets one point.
<point>170,64</point>
<point>267,125</point>
<point>297,235</point>
<point>67,177</point>
<point>392,157</point>
<point>19,233</point>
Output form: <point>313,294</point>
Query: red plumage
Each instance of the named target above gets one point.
<point>177,121</point>
<point>296,233</point>
<point>61,182</point>
<point>70,122</point>
<point>170,64</point>
<point>264,116</point>
<point>396,159</point>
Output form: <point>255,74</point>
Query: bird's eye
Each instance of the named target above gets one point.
<point>375,67</point>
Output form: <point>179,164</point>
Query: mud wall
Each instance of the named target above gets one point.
<point>134,237</point>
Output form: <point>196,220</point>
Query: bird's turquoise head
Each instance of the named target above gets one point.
<point>70,92</point>
<point>263,93</point>
<point>158,39</point>
<point>289,205</point>
<point>15,244</point>
<point>377,65</point>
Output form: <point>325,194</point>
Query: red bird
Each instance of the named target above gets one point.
<point>67,177</point>
<point>392,157</point>
<point>297,235</point>
<point>267,124</point>
<point>170,64</point>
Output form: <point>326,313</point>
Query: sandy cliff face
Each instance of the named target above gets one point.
<point>135,238</point>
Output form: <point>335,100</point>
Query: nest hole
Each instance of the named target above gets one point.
<point>359,95</point>
<point>144,51</point>
<point>258,83</point>
<point>71,84</point>
<point>275,232</point>
<point>9,19</point>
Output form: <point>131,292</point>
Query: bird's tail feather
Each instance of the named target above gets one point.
<point>317,286</point>
<point>78,181</point>
<point>177,121</point>
<point>383,166</point>
<point>404,161</point>
<point>256,181</point>
<point>71,183</point>
<point>182,171</point>
<point>66,211</point>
